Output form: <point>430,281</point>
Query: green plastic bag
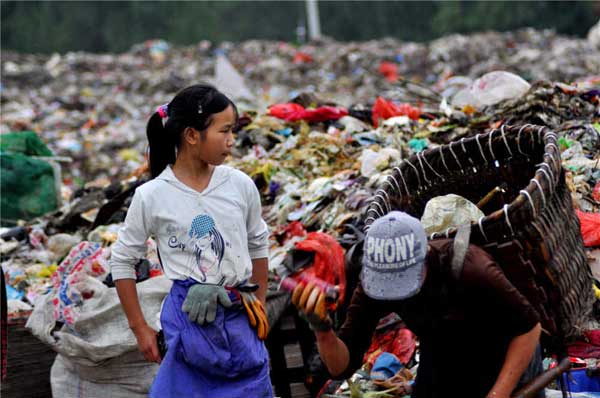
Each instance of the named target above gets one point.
<point>25,142</point>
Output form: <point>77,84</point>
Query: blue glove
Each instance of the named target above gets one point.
<point>202,300</point>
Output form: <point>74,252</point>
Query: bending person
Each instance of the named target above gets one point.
<point>477,332</point>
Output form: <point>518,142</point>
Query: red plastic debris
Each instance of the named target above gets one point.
<point>389,70</point>
<point>294,112</point>
<point>384,109</point>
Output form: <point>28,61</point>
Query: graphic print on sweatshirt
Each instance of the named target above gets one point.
<point>204,244</point>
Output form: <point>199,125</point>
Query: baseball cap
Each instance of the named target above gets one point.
<point>394,257</point>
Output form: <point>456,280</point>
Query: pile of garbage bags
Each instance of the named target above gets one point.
<point>321,126</point>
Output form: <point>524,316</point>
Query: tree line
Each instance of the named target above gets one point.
<point>114,26</point>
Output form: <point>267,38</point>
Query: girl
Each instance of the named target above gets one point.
<point>212,243</point>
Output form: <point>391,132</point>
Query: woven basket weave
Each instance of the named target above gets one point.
<point>28,364</point>
<point>533,234</point>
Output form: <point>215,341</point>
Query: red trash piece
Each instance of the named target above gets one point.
<point>384,109</point>
<point>590,228</point>
<point>285,232</point>
<point>324,113</point>
<point>585,349</point>
<point>329,260</point>
<point>294,112</point>
<point>287,112</point>
<point>302,58</point>
<point>596,192</point>
<point>399,341</point>
<point>295,228</point>
<point>389,70</point>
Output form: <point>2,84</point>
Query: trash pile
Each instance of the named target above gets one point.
<point>320,128</point>
<point>97,104</point>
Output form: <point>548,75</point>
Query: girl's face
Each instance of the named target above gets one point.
<point>203,242</point>
<point>218,139</point>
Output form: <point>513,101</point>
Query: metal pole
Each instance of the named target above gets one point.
<point>314,26</point>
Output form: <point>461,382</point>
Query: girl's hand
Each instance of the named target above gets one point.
<point>146,338</point>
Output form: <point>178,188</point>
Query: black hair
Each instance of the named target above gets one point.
<point>194,107</point>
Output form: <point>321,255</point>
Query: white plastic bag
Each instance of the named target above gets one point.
<point>372,161</point>
<point>490,89</point>
<point>125,376</point>
<point>99,344</point>
<point>448,211</point>
<point>229,81</point>
<point>594,36</point>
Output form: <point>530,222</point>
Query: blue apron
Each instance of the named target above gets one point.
<point>224,359</point>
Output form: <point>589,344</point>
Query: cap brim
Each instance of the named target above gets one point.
<point>396,285</point>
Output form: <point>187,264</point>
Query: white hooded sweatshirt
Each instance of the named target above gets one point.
<point>209,236</point>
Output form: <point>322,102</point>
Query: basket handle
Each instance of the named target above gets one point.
<point>541,381</point>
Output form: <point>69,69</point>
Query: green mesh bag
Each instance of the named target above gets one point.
<point>25,142</point>
<point>27,185</point>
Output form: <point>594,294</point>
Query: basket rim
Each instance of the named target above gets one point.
<point>545,180</point>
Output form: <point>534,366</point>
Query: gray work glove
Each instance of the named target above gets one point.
<point>202,300</point>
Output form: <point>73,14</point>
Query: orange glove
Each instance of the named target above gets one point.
<point>310,300</point>
<point>257,315</point>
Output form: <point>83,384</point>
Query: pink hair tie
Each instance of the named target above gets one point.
<point>162,110</point>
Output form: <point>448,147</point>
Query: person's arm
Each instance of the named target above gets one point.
<point>333,352</point>
<point>343,354</point>
<point>518,356</point>
<point>260,270</point>
<point>258,239</point>
<point>145,335</point>
<point>494,292</point>
<point>125,253</point>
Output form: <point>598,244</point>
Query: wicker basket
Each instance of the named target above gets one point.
<point>533,234</point>
<point>28,364</point>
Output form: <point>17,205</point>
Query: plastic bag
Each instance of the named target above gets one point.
<point>302,58</point>
<point>99,355</point>
<point>418,144</point>
<point>490,89</point>
<point>293,112</point>
<point>24,142</point>
<point>590,228</point>
<point>13,294</point>
<point>596,192</point>
<point>126,376</point>
<point>61,244</point>
<point>448,211</point>
<point>383,109</point>
<point>389,70</point>
<point>372,161</point>
<point>28,187</point>
<point>229,80</point>
<point>74,280</point>
<point>329,260</point>
<point>594,36</point>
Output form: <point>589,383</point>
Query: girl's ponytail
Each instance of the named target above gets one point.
<point>162,145</point>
